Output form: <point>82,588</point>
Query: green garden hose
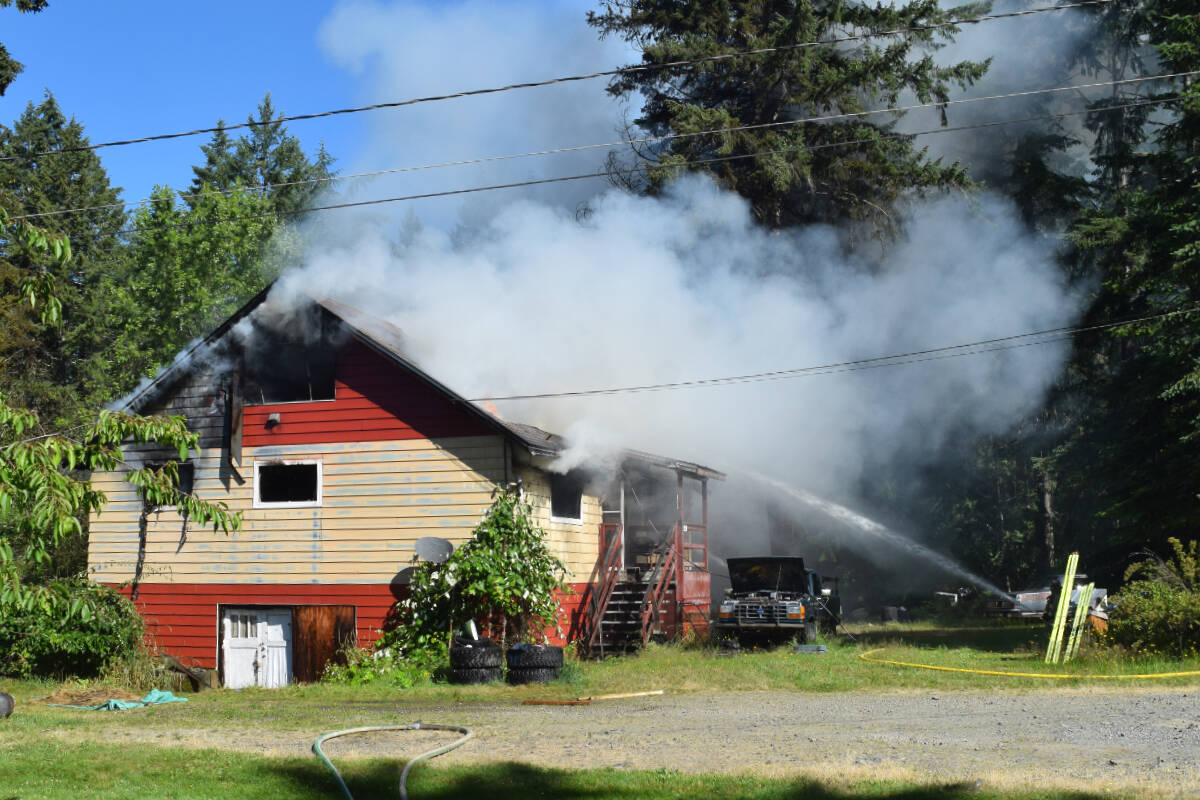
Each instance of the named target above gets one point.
<point>412,726</point>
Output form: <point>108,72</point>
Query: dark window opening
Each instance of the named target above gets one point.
<point>292,367</point>
<point>288,483</point>
<point>187,475</point>
<point>566,496</point>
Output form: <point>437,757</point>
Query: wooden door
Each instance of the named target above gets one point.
<point>256,645</point>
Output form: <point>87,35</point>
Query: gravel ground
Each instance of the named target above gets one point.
<point>1137,742</point>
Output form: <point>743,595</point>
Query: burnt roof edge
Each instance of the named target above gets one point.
<point>182,363</point>
<point>179,368</point>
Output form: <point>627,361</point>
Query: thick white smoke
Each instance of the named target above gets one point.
<point>409,49</point>
<point>687,287</point>
<point>518,293</point>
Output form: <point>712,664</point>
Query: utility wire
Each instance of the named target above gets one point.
<point>624,142</point>
<point>566,79</point>
<point>649,167</point>
<point>916,356</point>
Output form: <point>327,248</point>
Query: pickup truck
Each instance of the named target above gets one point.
<point>776,598</point>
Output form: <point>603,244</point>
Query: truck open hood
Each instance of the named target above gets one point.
<point>768,574</point>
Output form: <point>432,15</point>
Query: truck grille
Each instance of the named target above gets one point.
<point>759,613</point>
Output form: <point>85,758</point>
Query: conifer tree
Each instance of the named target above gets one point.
<point>849,168</point>
<point>56,371</point>
<point>266,154</point>
<point>1133,457</point>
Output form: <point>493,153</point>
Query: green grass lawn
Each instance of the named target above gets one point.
<point>48,752</point>
<point>42,770</point>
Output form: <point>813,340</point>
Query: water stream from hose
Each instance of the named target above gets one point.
<point>867,525</point>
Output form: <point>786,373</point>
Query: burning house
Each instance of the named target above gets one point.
<point>341,454</point>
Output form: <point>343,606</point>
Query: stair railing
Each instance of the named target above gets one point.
<point>601,585</point>
<point>656,594</point>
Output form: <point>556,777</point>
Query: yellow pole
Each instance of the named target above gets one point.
<point>1081,611</point>
<point>1054,648</point>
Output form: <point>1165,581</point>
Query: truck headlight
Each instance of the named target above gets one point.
<point>795,610</point>
<point>725,611</point>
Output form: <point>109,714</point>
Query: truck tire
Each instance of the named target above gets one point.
<point>527,656</point>
<point>810,632</point>
<point>532,675</point>
<point>475,654</point>
<point>6,704</point>
<point>486,675</point>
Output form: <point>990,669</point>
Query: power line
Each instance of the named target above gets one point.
<point>1031,339</point>
<point>649,167</point>
<point>565,79</point>
<point>640,140</point>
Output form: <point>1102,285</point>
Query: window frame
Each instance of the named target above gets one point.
<point>578,481</point>
<point>285,462</point>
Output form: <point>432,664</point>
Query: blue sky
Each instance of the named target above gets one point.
<point>127,69</point>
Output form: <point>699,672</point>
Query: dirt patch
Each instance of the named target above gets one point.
<point>1136,742</point>
<point>86,697</point>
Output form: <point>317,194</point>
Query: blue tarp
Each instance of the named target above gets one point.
<point>154,697</point>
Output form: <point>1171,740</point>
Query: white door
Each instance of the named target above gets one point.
<point>257,644</point>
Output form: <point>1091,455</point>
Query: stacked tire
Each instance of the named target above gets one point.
<point>533,663</point>
<point>475,661</point>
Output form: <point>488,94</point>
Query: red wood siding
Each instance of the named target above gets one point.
<point>375,400</point>
<point>181,618</point>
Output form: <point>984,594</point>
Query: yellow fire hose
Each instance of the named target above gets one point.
<point>412,726</point>
<point>867,657</point>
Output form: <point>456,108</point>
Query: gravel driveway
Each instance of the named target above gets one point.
<point>1141,742</point>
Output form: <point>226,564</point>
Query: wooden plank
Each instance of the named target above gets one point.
<point>317,633</point>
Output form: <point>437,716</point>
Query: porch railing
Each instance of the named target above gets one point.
<point>601,584</point>
<point>657,593</point>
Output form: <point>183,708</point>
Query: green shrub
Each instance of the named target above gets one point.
<point>1159,611</point>
<point>75,629</point>
<point>505,575</point>
<point>385,666</point>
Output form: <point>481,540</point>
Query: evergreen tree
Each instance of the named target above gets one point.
<point>265,155</point>
<point>218,169</point>
<point>1133,460</point>
<point>849,168</point>
<point>56,371</point>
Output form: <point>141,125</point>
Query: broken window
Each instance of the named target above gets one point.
<point>566,497</point>
<point>288,483</point>
<point>187,476</point>
<point>294,365</point>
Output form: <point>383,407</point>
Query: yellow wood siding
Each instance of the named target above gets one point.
<point>577,544</point>
<point>378,499</point>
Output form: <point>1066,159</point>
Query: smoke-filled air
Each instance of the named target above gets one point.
<point>686,287</point>
<point>587,287</point>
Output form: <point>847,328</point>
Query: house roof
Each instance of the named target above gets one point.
<point>388,340</point>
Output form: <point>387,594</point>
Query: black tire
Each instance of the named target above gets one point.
<point>477,654</point>
<point>487,675</point>
<point>529,656</point>
<point>6,704</point>
<point>810,632</point>
<point>532,675</point>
